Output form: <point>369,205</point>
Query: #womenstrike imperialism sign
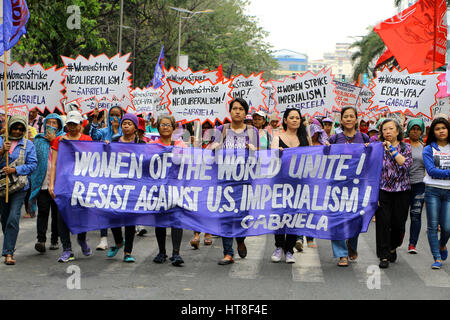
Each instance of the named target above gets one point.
<point>323,192</point>
<point>401,92</point>
<point>312,93</point>
<point>33,86</point>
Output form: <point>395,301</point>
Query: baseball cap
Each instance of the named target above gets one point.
<point>327,120</point>
<point>74,117</point>
<point>261,113</point>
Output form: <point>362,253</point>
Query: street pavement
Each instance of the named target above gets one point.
<point>315,274</point>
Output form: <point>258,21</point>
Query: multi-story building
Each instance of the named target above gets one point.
<point>290,62</point>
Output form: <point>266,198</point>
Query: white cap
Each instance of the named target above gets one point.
<point>74,117</point>
<point>261,113</point>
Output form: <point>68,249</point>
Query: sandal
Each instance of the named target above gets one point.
<point>311,244</point>
<point>9,260</point>
<point>195,242</point>
<point>343,262</point>
<point>353,254</point>
<point>207,241</point>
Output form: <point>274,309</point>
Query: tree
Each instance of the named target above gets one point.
<point>227,36</point>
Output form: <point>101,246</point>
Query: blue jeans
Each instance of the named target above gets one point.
<point>437,201</point>
<point>10,216</point>
<point>228,245</point>
<point>416,201</point>
<point>340,248</point>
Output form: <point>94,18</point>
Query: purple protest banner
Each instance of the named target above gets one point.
<point>322,192</point>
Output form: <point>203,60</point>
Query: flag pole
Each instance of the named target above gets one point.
<point>5,78</point>
<point>435,36</point>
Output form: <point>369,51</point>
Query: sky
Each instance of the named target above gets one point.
<point>314,27</point>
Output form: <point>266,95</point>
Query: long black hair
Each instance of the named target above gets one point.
<point>301,131</point>
<point>431,136</point>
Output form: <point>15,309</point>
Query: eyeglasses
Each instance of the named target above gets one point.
<point>165,125</point>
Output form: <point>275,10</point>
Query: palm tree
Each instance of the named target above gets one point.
<point>370,48</point>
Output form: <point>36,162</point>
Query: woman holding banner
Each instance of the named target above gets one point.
<point>235,136</point>
<point>112,130</point>
<point>74,127</point>
<point>395,191</point>
<point>22,162</point>
<point>294,136</point>
<point>343,249</point>
<point>166,126</point>
<point>436,157</point>
<point>129,126</point>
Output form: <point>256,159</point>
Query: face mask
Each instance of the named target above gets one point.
<point>50,129</point>
<point>113,119</point>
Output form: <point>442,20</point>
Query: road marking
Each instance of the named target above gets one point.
<point>422,267</point>
<point>367,257</point>
<point>307,267</point>
<point>250,267</point>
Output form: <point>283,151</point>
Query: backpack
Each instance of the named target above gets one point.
<point>15,182</point>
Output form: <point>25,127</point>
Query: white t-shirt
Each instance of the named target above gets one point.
<point>442,161</point>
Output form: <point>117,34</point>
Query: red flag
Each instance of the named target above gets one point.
<point>417,36</point>
<point>220,73</point>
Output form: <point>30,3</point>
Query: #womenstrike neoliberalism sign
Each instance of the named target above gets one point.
<point>323,192</point>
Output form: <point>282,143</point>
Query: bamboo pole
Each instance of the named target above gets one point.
<point>5,79</point>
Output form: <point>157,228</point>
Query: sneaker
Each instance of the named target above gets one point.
<point>277,254</point>
<point>40,247</point>
<point>160,258</point>
<point>412,249</point>
<point>66,256</point>
<point>103,245</point>
<point>436,265</point>
<point>299,245</point>
<point>54,246</point>
<point>142,232</point>
<point>113,251</point>
<point>85,248</point>
<point>176,261</point>
<point>129,258</point>
<point>444,254</point>
<point>289,257</point>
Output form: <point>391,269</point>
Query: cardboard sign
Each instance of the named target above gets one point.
<point>179,75</point>
<point>97,77</point>
<point>33,86</point>
<point>15,111</point>
<point>204,100</point>
<point>401,92</point>
<point>250,89</point>
<point>364,101</point>
<point>87,106</point>
<point>347,94</point>
<point>312,93</point>
<point>269,100</point>
<point>145,100</point>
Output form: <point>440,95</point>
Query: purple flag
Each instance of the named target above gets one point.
<point>15,17</point>
<point>159,73</point>
<point>321,192</point>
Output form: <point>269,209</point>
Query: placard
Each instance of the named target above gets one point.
<point>145,100</point>
<point>33,86</point>
<point>312,93</point>
<point>98,77</point>
<point>250,89</point>
<point>189,101</point>
<point>401,92</point>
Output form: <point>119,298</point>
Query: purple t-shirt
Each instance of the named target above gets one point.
<point>234,140</point>
<point>340,138</point>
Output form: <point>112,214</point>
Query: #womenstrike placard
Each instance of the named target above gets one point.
<point>323,192</point>
<point>403,91</point>
<point>33,86</point>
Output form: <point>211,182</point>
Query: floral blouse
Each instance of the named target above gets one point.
<point>395,178</point>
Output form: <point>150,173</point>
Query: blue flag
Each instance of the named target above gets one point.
<point>15,17</point>
<point>159,73</point>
